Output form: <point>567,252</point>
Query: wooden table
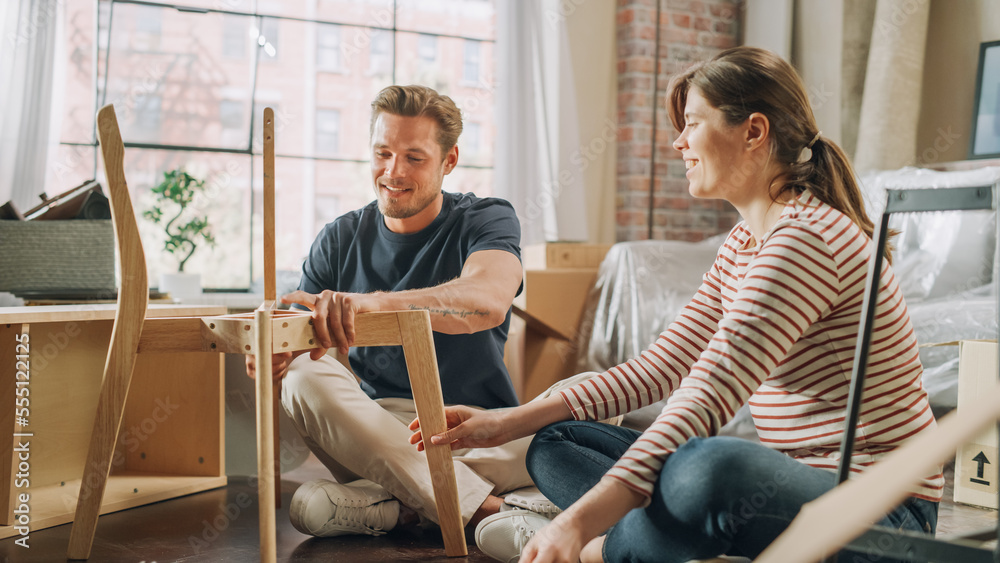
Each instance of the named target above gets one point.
<point>172,440</point>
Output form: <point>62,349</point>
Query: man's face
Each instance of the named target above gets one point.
<point>408,170</point>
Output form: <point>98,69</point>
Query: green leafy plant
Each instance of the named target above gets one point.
<point>173,196</point>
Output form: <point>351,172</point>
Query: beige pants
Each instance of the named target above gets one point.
<point>357,437</point>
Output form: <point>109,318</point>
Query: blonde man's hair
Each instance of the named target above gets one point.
<point>418,101</point>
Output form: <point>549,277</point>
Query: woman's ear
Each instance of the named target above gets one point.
<point>758,130</point>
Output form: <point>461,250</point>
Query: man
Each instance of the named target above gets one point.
<point>416,247</point>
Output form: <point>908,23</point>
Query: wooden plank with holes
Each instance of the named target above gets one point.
<point>174,420</point>
<point>270,271</point>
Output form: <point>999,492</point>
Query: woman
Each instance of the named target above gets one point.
<point>774,323</point>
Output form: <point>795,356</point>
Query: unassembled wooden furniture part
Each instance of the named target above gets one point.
<point>262,333</point>
<point>172,438</point>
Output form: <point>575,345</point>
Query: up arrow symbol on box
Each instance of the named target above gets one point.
<point>982,461</point>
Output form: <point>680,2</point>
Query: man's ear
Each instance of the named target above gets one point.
<point>758,130</point>
<point>451,160</point>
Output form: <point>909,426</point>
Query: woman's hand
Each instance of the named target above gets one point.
<point>579,529</point>
<point>476,428</point>
<point>559,542</point>
<point>467,428</point>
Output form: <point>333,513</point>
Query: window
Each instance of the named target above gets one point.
<point>148,111</point>
<point>327,132</point>
<point>427,49</point>
<point>189,88</point>
<point>380,61</point>
<point>268,38</point>
<point>231,114</point>
<point>470,65</point>
<point>470,138</point>
<point>147,30</point>
<point>328,48</point>
<point>234,37</point>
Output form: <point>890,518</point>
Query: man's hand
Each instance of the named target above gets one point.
<point>279,364</point>
<point>333,316</point>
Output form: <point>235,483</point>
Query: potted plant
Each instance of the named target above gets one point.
<point>184,228</point>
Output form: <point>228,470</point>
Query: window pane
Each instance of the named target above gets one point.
<point>226,203</point>
<point>327,132</point>
<point>167,79</point>
<point>372,13</point>
<point>70,166</point>
<point>77,98</point>
<point>464,18</point>
<point>476,180</point>
<point>225,5</point>
<point>474,98</point>
<point>305,81</point>
<point>427,49</point>
<point>308,195</point>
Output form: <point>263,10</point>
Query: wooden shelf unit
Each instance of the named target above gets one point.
<point>172,440</point>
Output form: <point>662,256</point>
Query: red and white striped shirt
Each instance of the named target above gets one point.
<point>775,324</point>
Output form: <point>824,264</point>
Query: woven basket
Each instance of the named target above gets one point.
<point>57,257</point>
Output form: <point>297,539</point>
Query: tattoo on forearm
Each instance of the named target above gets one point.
<point>446,312</point>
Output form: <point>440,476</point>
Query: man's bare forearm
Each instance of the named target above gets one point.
<point>460,313</point>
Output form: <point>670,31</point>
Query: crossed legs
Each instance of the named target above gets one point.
<point>356,437</point>
<point>714,496</point>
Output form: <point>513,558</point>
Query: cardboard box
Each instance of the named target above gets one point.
<point>558,298</point>
<point>544,356</point>
<point>976,463</point>
<point>552,255</point>
<point>558,279</point>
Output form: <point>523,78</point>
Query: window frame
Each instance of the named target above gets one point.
<point>104,20</point>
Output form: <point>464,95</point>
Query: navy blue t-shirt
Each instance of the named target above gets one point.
<point>357,253</point>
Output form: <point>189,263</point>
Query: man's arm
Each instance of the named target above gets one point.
<point>476,300</point>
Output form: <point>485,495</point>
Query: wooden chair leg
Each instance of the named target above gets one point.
<point>270,271</point>
<point>421,363</point>
<point>265,437</point>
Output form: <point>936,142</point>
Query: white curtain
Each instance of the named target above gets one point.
<point>890,105</point>
<point>537,166</point>
<point>27,69</point>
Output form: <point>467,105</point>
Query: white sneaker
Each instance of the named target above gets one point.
<point>530,498</point>
<point>324,508</point>
<point>503,535</point>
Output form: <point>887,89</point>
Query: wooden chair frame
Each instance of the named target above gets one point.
<point>261,333</point>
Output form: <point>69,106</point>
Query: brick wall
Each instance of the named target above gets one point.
<point>690,30</point>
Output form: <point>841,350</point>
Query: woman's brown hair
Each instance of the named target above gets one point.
<point>745,80</point>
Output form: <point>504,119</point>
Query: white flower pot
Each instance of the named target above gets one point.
<point>181,286</point>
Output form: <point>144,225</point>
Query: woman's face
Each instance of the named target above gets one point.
<point>714,152</point>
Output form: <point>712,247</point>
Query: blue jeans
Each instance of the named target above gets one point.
<point>715,496</point>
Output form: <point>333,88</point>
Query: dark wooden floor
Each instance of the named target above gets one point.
<point>221,526</point>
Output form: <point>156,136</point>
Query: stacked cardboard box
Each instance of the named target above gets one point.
<point>976,462</point>
<point>558,278</point>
